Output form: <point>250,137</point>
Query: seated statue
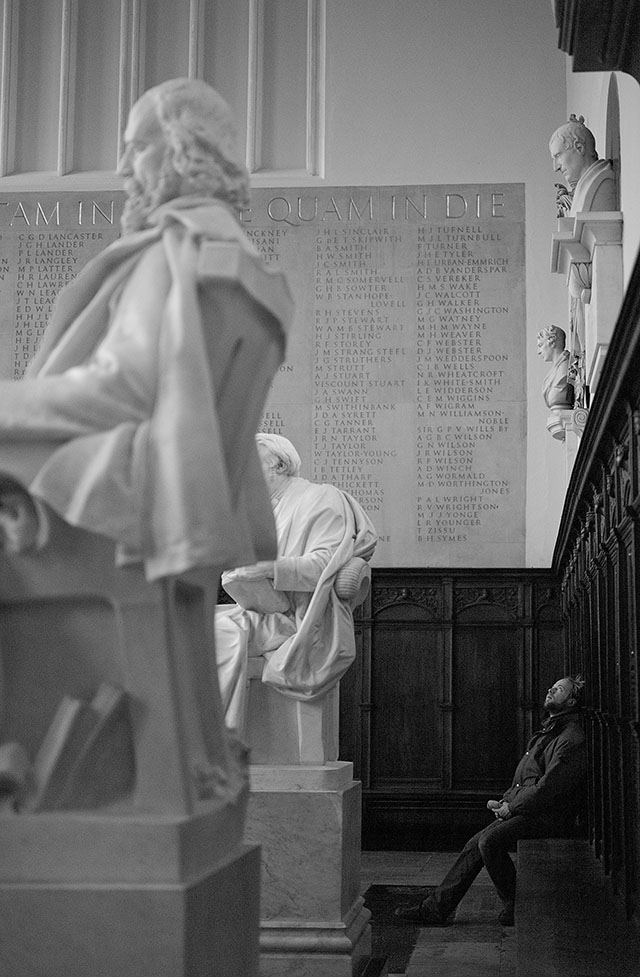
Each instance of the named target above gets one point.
<point>557,388</point>
<point>131,441</point>
<point>288,611</point>
<point>120,391</point>
<point>590,182</point>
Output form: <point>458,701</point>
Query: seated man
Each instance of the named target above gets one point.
<point>288,610</point>
<point>542,802</point>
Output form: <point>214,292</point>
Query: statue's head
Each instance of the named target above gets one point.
<point>180,141</point>
<point>551,341</point>
<point>279,458</point>
<point>573,150</point>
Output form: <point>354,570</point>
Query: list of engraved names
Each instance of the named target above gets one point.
<point>45,239</point>
<point>404,382</point>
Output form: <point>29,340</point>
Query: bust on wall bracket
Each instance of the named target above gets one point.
<point>586,249</point>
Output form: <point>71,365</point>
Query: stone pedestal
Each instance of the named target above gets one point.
<point>567,426</point>
<point>100,896</point>
<point>307,820</point>
<point>158,881</point>
<point>587,250</point>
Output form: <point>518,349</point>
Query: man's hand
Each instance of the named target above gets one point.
<point>499,809</point>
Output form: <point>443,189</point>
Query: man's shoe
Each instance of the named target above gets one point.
<point>421,915</point>
<point>505,917</point>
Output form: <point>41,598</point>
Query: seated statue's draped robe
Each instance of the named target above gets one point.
<point>122,392</point>
<point>309,648</point>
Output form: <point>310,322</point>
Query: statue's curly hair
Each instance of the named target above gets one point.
<point>200,132</point>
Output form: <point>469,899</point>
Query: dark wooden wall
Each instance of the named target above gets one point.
<point>448,684</point>
<point>597,557</point>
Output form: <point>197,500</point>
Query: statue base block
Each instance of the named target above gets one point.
<point>307,821</point>
<point>180,920</point>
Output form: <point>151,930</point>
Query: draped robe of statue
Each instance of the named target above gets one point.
<point>309,646</point>
<point>121,393</point>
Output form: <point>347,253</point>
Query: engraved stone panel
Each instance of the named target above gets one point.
<point>45,239</point>
<point>405,378</point>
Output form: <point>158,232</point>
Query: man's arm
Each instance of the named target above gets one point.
<point>558,785</point>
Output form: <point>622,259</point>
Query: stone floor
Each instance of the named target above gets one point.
<point>476,945</point>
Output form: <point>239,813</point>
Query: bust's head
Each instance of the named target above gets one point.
<point>180,141</point>
<point>573,150</point>
<point>551,342</point>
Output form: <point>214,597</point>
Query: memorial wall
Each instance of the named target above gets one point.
<point>45,239</point>
<point>405,379</point>
<point>404,382</point>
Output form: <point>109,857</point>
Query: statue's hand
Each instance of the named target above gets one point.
<point>19,518</point>
<point>257,571</point>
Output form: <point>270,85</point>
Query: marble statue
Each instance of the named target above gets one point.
<point>589,185</point>
<point>590,181</point>
<point>129,478</point>
<point>557,388</point>
<point>120,387</point>
<point>288,610</point>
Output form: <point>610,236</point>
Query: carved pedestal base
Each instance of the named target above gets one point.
<point>567,426</point>
<point>166,903</point>
<point>307,821</point>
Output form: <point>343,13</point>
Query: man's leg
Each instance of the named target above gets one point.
<point>490,848</point>
<point>440,903</point>
<point>495,846</point>
<point>459,878</point>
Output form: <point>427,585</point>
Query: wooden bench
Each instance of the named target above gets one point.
<point>568,920</point>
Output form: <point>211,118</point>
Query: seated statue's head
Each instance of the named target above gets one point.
<point>551,342</point>
<point>573,150</point>
<point>279,459</point>
<point>180,141</point>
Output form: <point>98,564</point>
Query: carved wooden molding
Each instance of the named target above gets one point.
<point>505,597</point>
<point>600,35</point>
<point>426,598</point>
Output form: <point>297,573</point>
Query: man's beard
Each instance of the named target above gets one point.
<point>141,201</point>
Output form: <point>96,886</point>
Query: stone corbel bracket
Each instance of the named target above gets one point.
<point>587,250</point>
<point>561,420</point>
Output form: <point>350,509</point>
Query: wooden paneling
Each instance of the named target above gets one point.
<point>450,675</point>
<point>596,558</point>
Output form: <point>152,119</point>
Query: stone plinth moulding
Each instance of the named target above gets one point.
<point>587,250</point>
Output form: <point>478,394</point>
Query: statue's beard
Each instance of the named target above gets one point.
<point>142,201</point>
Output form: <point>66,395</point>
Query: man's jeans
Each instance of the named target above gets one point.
<point>489,847</point>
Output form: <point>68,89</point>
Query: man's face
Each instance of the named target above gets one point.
<point>569,162</point>
<point>559,698</point>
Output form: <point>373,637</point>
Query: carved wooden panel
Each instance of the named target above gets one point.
<point>447,686</point>
<point>597,558</point>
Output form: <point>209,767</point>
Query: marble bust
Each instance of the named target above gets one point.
<point>590,181</point>
<point>557,388</point>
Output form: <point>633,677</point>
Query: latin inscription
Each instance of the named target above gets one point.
<point>404,382</point>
